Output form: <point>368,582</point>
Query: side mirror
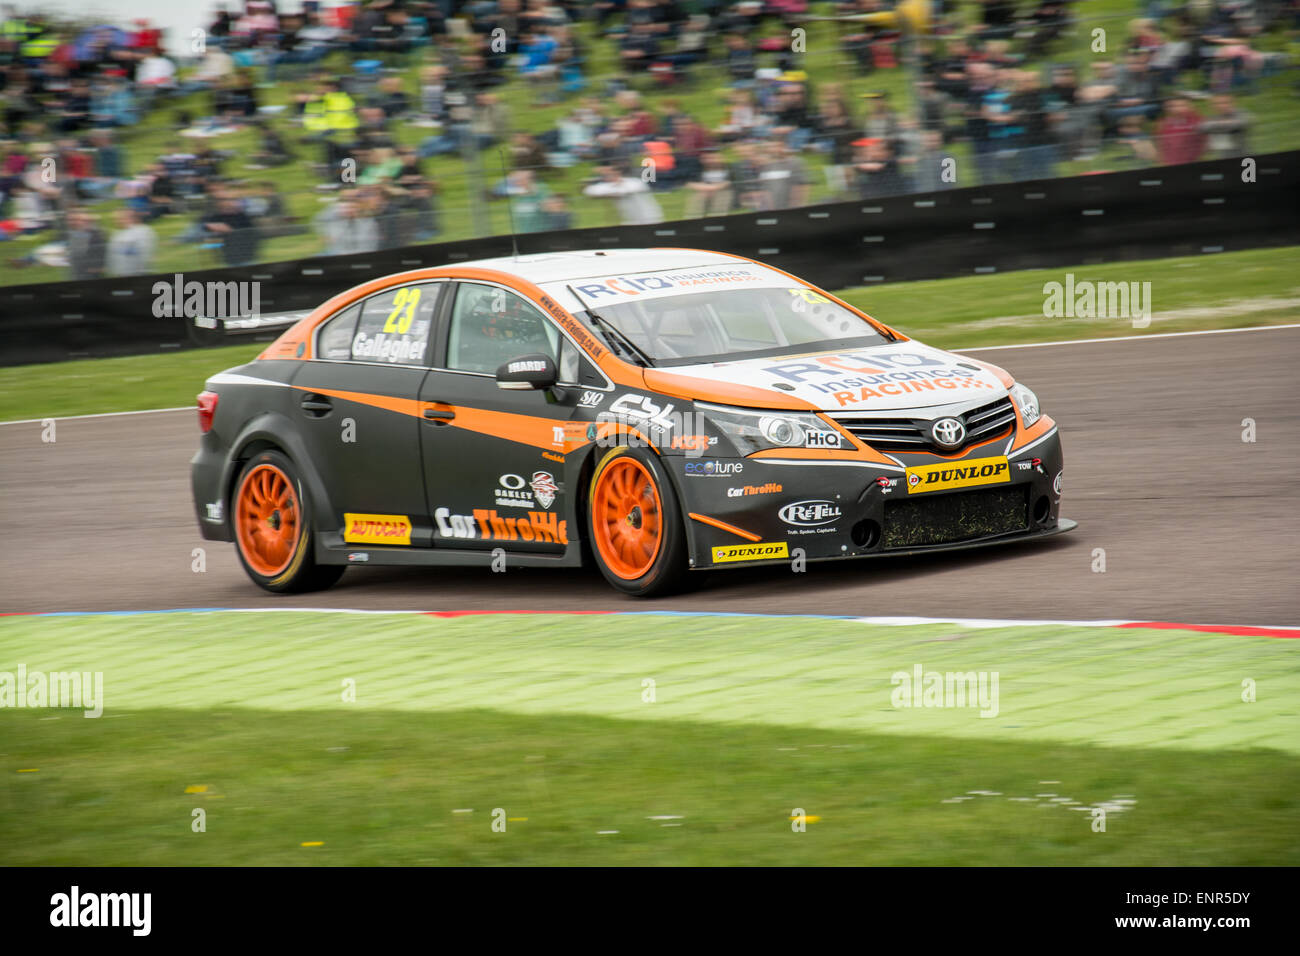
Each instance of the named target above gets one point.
<point>527,372</point>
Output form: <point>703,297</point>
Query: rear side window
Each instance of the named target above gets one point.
<point>393,327</point>
<point>334,341</point>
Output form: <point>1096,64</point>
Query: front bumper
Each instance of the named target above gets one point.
<point>769,510</point>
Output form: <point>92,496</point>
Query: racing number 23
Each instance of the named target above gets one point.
<point>404,303</point>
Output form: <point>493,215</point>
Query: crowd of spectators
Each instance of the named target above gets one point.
<point>994,86</point>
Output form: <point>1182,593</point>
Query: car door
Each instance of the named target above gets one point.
<point>494,459</point>
<point>358,414</point>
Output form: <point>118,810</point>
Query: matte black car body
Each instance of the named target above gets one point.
<point>419,463</point>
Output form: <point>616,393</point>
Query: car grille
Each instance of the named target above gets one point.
<point>962,516</point>
<point>993,420</point>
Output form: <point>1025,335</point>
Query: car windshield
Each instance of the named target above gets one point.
<point>719,325</point>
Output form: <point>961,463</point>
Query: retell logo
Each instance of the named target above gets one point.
<point>809,514</point>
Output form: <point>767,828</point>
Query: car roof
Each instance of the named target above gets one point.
<point>594,263</point>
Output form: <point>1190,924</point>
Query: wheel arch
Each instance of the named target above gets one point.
<point>594,456</point>
<point>271,432</point>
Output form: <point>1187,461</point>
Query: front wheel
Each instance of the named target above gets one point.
<point>273,533</point>
<point>635,524</point>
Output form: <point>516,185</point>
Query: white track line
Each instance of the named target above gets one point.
<point>880,620</point>
<point>1129,338</point>
<point>67,418</point>
<point>982,348</point>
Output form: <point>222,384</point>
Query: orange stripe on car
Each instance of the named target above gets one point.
<point>725,393</point>
<point>524,429</point>
<point>1037,430</point>
<point>403,406</point>
<point>1002,375</point>
<point>300,333</point>
<point>953,456</point>
<point>722,525</point>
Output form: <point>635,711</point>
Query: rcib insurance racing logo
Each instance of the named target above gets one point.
<point>665,283</point>
<point>854,378</point>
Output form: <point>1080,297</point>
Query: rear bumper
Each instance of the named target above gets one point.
<point>209,473</point>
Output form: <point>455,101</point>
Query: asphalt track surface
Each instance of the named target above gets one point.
<point>1197,525</point>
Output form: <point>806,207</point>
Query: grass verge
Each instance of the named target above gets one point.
<point>546,718</point>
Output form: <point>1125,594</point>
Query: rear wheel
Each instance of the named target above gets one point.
<point>635,524</point>
<point>273,534</point>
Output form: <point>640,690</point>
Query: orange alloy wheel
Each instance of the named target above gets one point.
<point>627,518</point>
<point>266,520</point>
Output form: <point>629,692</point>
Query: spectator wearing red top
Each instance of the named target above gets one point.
<point>641,122</point>
<point>1179,138</point>
<point>690,140</point>
<point>145,37</point>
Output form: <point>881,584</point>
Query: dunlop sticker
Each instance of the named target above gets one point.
<point>962,474</point>
<point>377,529</point>
<point>750,552</point>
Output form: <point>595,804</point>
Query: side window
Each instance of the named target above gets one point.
<point>491,326</point>
<point>575,368</point>
<point>334,340</point>
<point>394,325</point>
<point>570,364</point>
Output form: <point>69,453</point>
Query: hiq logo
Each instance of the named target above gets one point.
<point>823,440</point>
<point>712,469</point>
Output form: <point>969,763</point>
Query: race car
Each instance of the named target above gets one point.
<point>653,411</point>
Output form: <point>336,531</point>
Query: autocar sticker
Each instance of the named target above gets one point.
<point>376,529</point>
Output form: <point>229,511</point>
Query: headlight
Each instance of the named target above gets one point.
<point>756,431</point>
<point>1027,402</point>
